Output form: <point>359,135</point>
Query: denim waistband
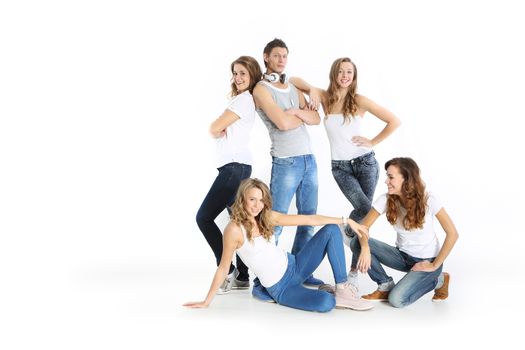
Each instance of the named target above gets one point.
<point>357,159</point>
<point>234,164</point>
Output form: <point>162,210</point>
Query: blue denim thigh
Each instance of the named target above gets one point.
<point>306,198</point>
<point>327,241</point>
<point>294,176</point>
<point>289,291</point>
<point>413,285</point>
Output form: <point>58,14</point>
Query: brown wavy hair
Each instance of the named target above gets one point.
<point>241,217</point>
<point>413,195</point>
<point>253,68</point>
<point>349,103</point>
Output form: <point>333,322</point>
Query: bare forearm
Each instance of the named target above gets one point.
<point>308,117</point>
<point>448,244</point>
<point>387,131</point>
<point>218,278</point>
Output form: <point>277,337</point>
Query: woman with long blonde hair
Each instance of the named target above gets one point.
<point>354,166</point>
<point>250,233</point>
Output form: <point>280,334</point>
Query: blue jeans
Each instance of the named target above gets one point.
<point>412,286</point>
<point>295,175</point>
<point>221,196</point>
<point>289,291</point>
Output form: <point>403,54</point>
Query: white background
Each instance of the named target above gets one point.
<point>105,159</point>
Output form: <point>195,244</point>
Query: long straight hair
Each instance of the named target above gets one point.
<point>349,102</point>
<point>413,195</point>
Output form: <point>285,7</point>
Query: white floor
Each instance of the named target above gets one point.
<point>136,304</point>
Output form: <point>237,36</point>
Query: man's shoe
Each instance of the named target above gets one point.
<point>377,296</point>
<point>260,293</point>
<point>312,281</point>
<point>441,293</point>
<point>226,286</point>
<point>347,298</point>
<point>327,288</point>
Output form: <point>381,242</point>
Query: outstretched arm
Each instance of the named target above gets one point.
<point>448,244</point>
<point>231,240</point>
<point>316,220</point>
<point>392,122</point>
<point>281,119</point>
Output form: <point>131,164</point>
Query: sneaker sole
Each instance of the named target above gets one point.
<point>247,287</point>
<point>353,308</point>
<point>271,301</point>
<point>439,300</point>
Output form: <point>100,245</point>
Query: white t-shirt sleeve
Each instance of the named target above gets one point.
<point>380,204</point>
<point>434,204</point>
<point>242,105</point>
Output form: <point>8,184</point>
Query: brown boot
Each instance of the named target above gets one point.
<point>441,293</point>
<point>377,296</point>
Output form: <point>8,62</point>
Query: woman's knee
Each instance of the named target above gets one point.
<point>397,299</point>
<point>326,303</point>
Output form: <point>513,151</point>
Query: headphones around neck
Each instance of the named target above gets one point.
<point>273,77</point>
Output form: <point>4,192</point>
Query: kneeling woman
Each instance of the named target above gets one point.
<point>282,274</point>
<point>411,210</point>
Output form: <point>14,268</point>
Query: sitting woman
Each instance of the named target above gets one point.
<point>282,274</point>
<point>410,210</point>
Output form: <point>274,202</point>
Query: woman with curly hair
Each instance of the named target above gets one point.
<point>250,233</point>
<point>410,210</point>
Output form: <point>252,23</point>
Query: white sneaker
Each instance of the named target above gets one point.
<point>227,285</point>
<point>347,298</point>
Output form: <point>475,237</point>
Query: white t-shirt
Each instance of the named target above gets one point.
<point>235,145</point>
<point>264,258</point>
<point>419,243</point>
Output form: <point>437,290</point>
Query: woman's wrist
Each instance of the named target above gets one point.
<point>344,220</point>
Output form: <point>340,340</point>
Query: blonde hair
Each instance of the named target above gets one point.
<point>241,217</point>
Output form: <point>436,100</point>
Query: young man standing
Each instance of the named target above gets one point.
<point>283,109</point>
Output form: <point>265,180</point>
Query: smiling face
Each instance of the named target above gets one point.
<point>276,60</point>
<point>253,201</point>
<point>241,77</point>
<point>394,180</point>
<point>345,75</point>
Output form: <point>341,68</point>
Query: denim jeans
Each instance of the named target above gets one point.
<point>357,179</point>
<point>289,291</point>
<point>295,175</point>
<point>220,196</point>
<point>412,286</point>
